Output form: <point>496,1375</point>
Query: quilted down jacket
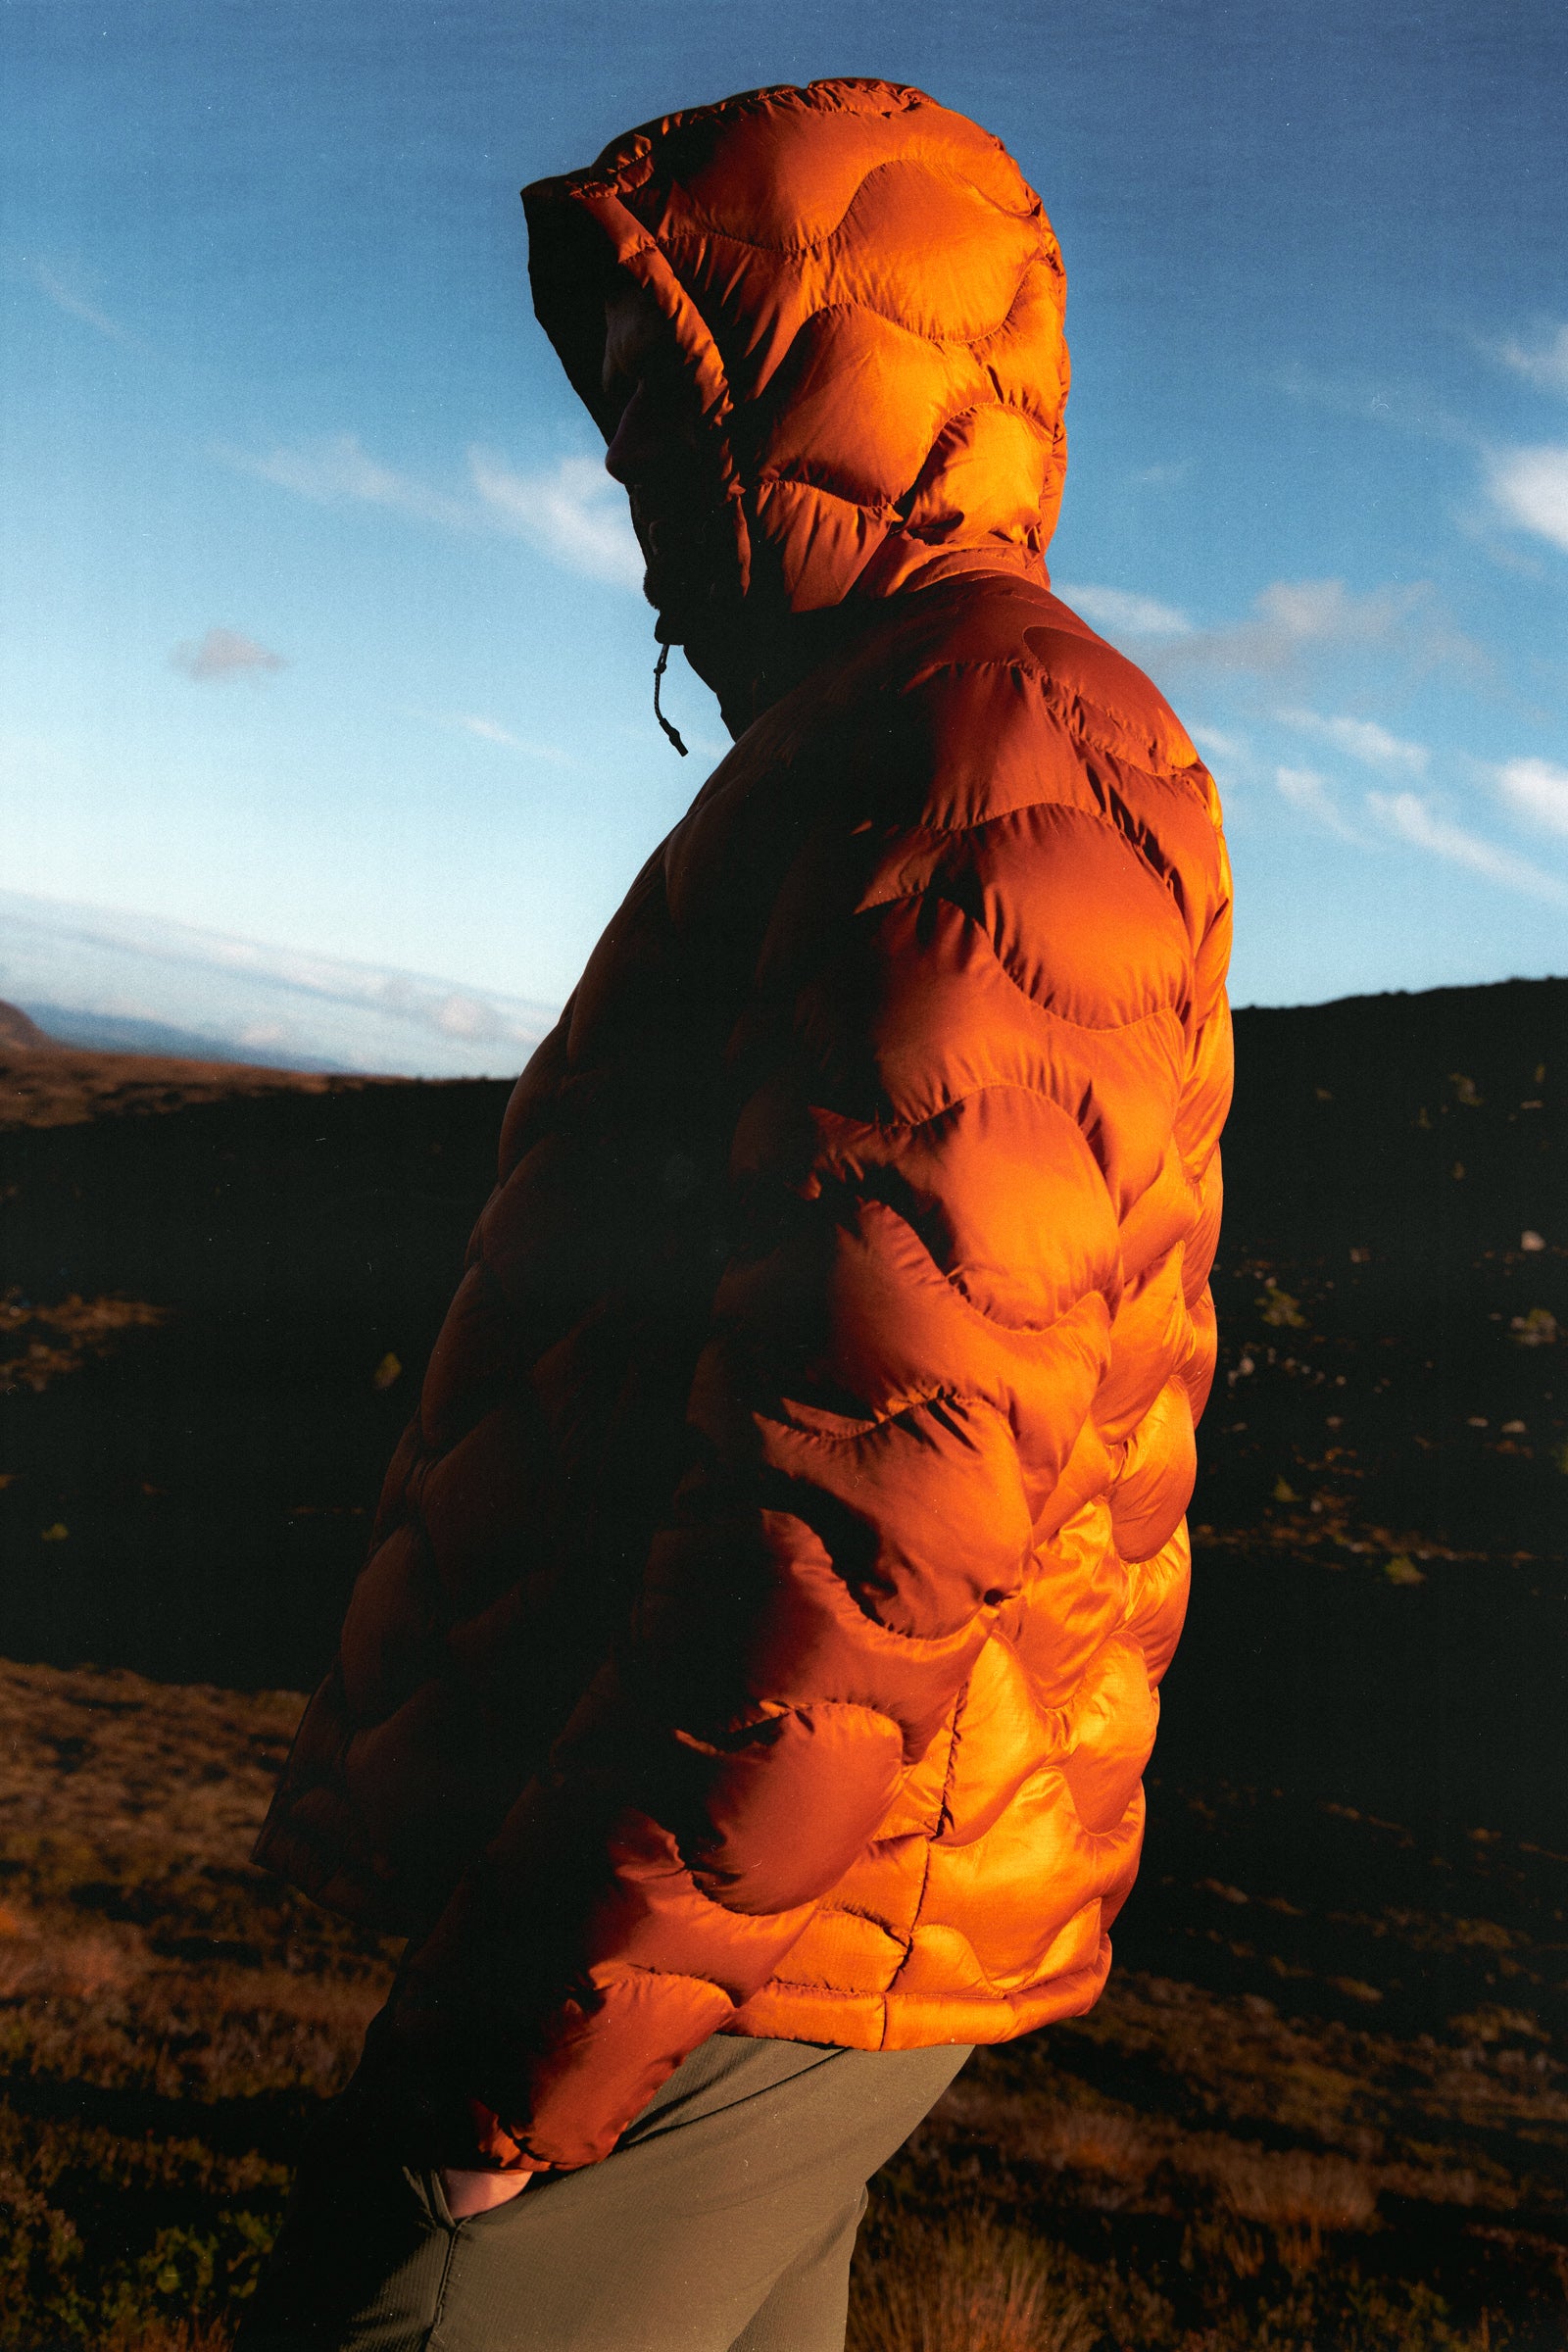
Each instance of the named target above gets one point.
<point>761,1626</point>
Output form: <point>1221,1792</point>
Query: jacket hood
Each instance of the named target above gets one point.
<point>868,297</point>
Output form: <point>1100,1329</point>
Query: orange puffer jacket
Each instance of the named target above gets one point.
<point>765,1612</point>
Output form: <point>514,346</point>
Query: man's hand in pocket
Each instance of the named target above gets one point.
<point>477,2192</point>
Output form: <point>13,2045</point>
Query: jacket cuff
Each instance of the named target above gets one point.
<point>496,2150</point>
<point>428,2121</point>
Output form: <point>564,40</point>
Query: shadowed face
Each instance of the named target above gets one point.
<point>667,458</point>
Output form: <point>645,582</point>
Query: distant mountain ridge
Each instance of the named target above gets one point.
<point>114,981</point>
<point>120,1033</point>
<point>52,1080</point>
<point>19,1034</point>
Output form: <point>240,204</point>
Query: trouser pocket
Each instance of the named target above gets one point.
<point>362,2258</point>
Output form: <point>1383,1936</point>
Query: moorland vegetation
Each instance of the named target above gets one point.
<point>1323,2106</point>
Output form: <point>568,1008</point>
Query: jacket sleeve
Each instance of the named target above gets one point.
<point>891,1413</point>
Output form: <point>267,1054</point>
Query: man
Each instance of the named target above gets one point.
<point>743,1707</point>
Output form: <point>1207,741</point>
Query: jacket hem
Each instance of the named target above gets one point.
<point>893,2020</point>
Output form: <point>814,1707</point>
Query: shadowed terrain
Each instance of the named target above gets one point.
<point>1324,2101</point>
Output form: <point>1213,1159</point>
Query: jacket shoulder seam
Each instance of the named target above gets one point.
<point>1026,665</point>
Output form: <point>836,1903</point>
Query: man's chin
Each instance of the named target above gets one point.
<point>682,610</point>
<point>663,591</point>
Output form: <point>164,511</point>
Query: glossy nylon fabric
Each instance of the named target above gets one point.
<point>762,1623</point>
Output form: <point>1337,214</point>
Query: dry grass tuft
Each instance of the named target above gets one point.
<point>1108,2144</point>
<point>964,2288</point>
<point>1298,2197</point>
<point>1293,2189</point>
<point>1096,2139</point>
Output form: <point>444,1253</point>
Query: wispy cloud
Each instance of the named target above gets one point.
<point>1291,615</point>
<point>573,511</point>
<point>1293,619</point>
<point>1544,361</point>
<point>67,297</point>
<point>491,730</point>
<point>1412,819</point>
<point>488,730</point>
<point>1527,487</point>
<point>1537,791</point>
<point>1530,489</point>
<point>225,655</point>
<point>1407,407</point>
<point>1309,791</point>
<point>339,471</point>
<point>1363,739</point>
<point>1220,746</point>
<point>1122,613</point>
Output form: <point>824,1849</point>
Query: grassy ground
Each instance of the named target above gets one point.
<point>167,2018</point>
<point>1367,2153</point>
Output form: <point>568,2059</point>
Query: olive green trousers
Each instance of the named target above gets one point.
<point>722,2221</point>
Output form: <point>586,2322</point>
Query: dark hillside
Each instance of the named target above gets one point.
<point>1391,1284</point>
<point>202,1491</point>
<point>1382,1514</point>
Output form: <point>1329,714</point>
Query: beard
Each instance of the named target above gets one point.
<point>689,559</point>
<point>737,644</point>
<point>691,578</point>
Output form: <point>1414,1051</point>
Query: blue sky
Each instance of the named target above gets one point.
<point>322,628</point>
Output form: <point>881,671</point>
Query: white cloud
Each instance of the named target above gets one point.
<point>1295,613</point>
<point>1403,406</point>
<point>466,1017</point>
<point>1409,816</point>
<point>224,654</point>
<point>490,730</point>
<point>1125,614</point>
<point>1293,619</point>
<point>1219,745</point>
<point>1363,739</point>
<point>336,469</point>
<point>1309,791</point>
<point>1544,363</point>
<point>1529,489</point>
<point>1538,791</point>
<point>573,511</point>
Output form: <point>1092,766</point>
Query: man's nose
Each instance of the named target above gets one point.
<point>635,443</point>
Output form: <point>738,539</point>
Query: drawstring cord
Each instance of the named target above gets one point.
<point>660,667</point>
